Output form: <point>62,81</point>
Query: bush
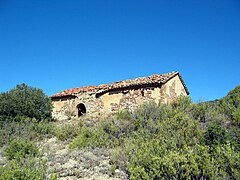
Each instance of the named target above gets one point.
<point>42,128</point>
<point>216,134</point>
<point>199,112</point>
<point>155,161</point>
<point>236,115</point>
<point>149,115</point>
<point>24,162</point>
<point>25,101</point>
<point>123,115</point>
<point>25,129</point>
<point>90,137</point>
<point>183,103</point>
<point>152,149</point>
<point>108,132</point>
<point>180,140</point>
<point>19,149</point>
<point>230,104</point>
<point>226,160</point>
<point>27,169</point>
<point>117,127</point>
<point>68,131</point>
<point>166,143</point>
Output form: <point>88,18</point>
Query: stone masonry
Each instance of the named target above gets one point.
<point>110,98</point>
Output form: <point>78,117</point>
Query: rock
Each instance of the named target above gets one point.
<point>70,164</point>
<point>3,160</point>
<point>90,164</point>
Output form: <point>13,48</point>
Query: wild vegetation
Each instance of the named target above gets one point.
<point>181,140</point>
<point>25,117</point>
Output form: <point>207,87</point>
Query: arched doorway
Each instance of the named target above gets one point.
<point>81,109</point>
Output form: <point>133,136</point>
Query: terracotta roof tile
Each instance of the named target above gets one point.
<point>156,78</point>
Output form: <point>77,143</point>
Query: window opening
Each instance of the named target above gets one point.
<point>81,109</point>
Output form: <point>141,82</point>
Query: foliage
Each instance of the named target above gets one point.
<point>89,137</point>
<point>180,140</point>
<point>68,131</point>
<point>226,160</point>
<point>25,112</point>
<point>19,149</point>
<point>169,147</point>
<point>236,115</point>
<point>231,105</point>
<point>216,134</point>
<point>123,115</point>
<point>155,161</point>
<point>161,140</point>
<point>108,132</point>
<point>24,161</point>
<point>25,101</point>
<point>25,129</point>
<point>25,169</point>
<point>120,125</point>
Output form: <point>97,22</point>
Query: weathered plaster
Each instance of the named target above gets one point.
<point>122,98</point>
<point>172,89</point>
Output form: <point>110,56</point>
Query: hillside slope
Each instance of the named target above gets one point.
<point>181,140</point>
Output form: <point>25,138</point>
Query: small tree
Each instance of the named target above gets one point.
<point>231,105</point>
<point>25,101</point>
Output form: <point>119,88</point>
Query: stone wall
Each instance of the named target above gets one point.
<point>126,98</point>
<point>172,89</point>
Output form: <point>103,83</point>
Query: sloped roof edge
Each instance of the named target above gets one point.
<point>156,78</point>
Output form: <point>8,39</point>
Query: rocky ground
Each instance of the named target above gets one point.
<point>2,158</point>
<point>91,164</point>
<point>72,164</point>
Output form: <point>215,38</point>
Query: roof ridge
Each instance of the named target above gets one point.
<point>154,78</point>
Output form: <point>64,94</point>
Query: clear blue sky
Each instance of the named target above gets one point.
<point>60,44</point>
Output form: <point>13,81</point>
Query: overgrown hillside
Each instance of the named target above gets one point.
<point>181,140</point>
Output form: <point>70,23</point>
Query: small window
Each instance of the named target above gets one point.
<point>142,92</point>
<point>81,109</point>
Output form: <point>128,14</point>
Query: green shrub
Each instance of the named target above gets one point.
<point>108,132</point>
<point>167,143</point>
<point>226,160</point>
<point>24,162</point>
<point>119,156</point>
<point>68,131</point>
<point>236,116</point>
<point>149,115</point>
<point>153,158</point>
<point>123,115</point>
<point>25,112</point>
<point>25,101</point>
<point>180,140</point>
<point>116,127</point>
<point>18,149</point>
<point>216,134</point>
<point>234,138</point>
<point>42,128</point>
<point>183,103</point>
<point>90,137</point>
<point>27,169</point>
<point>155,161</point>
<point>199,111</point>
<point>25,129</point>
<point>231,103</point>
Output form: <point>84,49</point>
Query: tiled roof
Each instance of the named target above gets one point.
<point>156,78</point>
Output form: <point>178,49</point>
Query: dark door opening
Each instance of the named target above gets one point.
<point>81,109</point>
